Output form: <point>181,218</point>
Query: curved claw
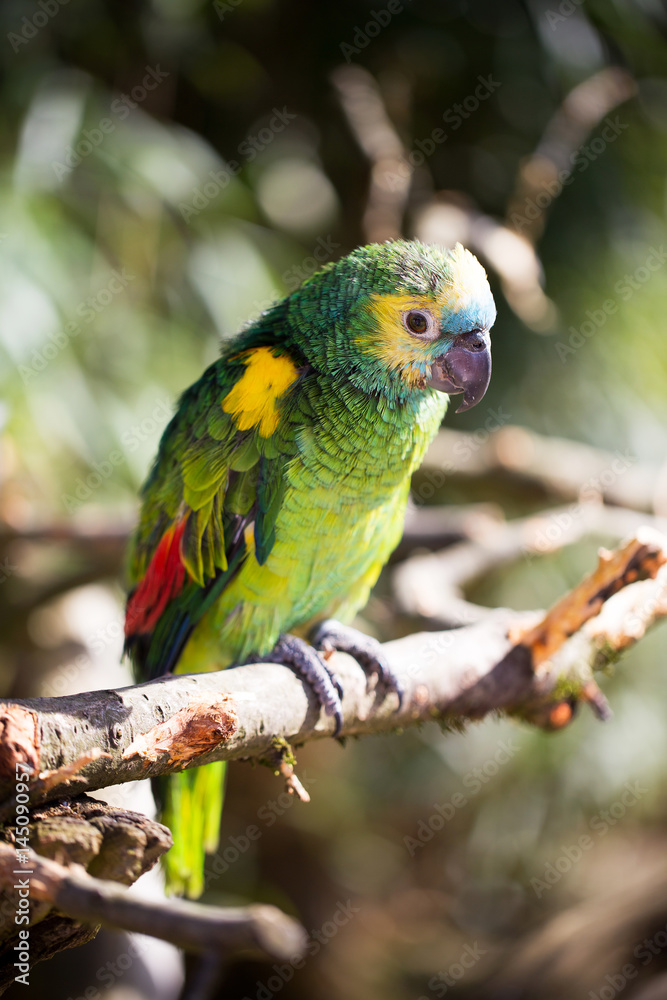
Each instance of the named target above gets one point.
<point>309,664</point>
<point>368,652</point>
<point>325,648</point>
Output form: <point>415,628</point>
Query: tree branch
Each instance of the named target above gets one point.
<point>450,676</point>
<point>431,586</point>
<point>110,843</point>
<point>556,469</point>
<point>258,928</point>
<point>391,172</point>
<point>581,111</point>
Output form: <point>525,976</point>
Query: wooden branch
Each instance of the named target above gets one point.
<point>432,586</point>
<point>639,559</point>
<point>509,247</point>
<point>193,730</point>
<point>259,929</point>
<point>582,109</point>
<point>453,218</point>
<point>569,951</point>
<point>391,170</point>
<point>105,535</point>
<point>555,469</point>
<point>451,677</point>
<point>436,525</point>
<point>110,843</point>
<point>283,761</point>
<point>99,551</point>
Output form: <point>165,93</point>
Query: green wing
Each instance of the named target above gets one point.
<point>220,468</point>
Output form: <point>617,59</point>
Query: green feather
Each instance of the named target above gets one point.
<point>192,811</point>
<point>319,464</point>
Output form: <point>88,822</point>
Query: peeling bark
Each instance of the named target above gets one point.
<point>448,676</point>
<point>19,739</point>
<point>639,559</point>
<point>260,929</point>
<point>529,664</point>
<point>109,843</point>
<point>208,720</point>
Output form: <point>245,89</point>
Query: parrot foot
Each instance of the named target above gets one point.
<point>331,635</point>
<point>309,664</point>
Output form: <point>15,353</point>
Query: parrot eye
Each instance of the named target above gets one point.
<point>419,322</point>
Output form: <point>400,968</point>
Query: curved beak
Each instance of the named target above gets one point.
<point>465,367</point>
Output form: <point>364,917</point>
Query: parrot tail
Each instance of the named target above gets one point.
<point>192,810</point>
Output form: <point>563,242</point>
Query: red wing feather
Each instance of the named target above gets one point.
<point>163,582</point>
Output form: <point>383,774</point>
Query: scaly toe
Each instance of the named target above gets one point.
<point>368,652</point>
<point>309,664</point>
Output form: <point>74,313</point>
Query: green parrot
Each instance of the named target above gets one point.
<point>280,485</point>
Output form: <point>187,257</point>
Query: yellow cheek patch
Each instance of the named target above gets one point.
<point>465,283</point>
<point>391,342</point>
<point>252,401</point>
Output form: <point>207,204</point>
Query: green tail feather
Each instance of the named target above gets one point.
<point>192,811</point>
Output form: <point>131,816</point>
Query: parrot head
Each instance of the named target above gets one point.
<point>400,318</point>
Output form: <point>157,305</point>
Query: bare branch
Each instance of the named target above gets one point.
<point>41,783</point>
<point>192,926</point>
<point>639,559</point>
<point>451,219</point>
<point>110,843</point>
<point>200,726</point>
<point>552,162</point>
<point>556,468</point>
<point>283,761</point>
<point>391,172</point>
<point>509,246</point>
<point>450,676</point>
<point>432,586</point>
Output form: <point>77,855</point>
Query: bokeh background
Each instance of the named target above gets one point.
<point>168,169</point>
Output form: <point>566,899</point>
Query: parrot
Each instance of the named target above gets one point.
<point>280,486</point>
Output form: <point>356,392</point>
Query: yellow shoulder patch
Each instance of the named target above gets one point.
<point>252,401</point>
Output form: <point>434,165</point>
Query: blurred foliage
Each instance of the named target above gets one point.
<point>170,168</point>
